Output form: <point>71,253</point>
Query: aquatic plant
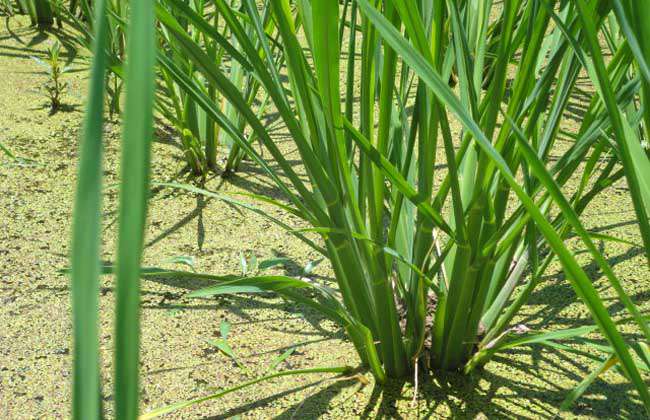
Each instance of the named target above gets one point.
<point>199,136</point>
<point>55,68</point>
<point>432,264</point>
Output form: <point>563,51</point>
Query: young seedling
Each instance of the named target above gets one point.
<point>311,265</point>
<point>15,160</point>
<point>222,344</point>
<point>55,69</point>
<point>251,265</point>
<point>281,358</point>
<point>7,152</point>
<point>186,260</point>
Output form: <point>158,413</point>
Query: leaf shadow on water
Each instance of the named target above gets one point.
<point>487,393</point>
<point>493,392</point>
<point>532,380</point>
<point>555,294</point>
<point>33,41</point>
<point>504,386</point>
<point>253,179</point>
<point>239,306</point>
<point>325,395</point>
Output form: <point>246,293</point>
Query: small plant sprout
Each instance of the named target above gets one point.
<point>281,358</point>
<point>186,260</point>
<point>224,347</point>
<point>55,69</point>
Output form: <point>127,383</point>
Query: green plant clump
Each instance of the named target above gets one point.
<point>437,236</point>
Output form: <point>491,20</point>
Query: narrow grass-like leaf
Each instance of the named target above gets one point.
<point>281,358</point>
<point>86,239</point>
<point>576,392</point>
<point>134,193</point>
<point>185,404</point>
<point>603,84</point>
<point>579,280</point>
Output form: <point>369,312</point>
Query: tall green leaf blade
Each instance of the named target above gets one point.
<point>136,143</point>
<point>86,239</point>
<point>540,172</point>
<point>626,154</point>
<point>640,162</point>
<point>578,278</point>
